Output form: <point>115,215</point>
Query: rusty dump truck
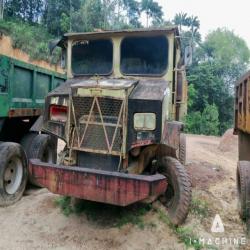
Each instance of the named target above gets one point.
<point>242,128</point>
<point>120,114</point>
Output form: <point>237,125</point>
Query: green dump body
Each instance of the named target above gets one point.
<point>23,87</point>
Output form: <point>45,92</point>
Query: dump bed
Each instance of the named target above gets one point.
<point>242,104</point>
<point>24,86</point>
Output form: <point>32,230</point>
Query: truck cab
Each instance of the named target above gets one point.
<point>120,114</point>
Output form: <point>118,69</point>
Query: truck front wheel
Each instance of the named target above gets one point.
<point>177,198</point>
<point>13,173</point>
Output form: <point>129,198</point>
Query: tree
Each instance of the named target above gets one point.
<point>180,19</point>
<point>228,51</point>
<point>205,122</point>
<point>57,15</point>
<point>218,63</point>
<point>133,12</point>
<point>89,17</point>
<point>27,10</point>
<point>153,11</point>
<point>193,22</point>
<point>2,5</point>
<point>210,120</point>
<point>190,36</point>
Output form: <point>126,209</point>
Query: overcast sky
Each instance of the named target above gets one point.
<point>232,14</point>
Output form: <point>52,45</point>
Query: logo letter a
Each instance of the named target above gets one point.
<point>217,226</point>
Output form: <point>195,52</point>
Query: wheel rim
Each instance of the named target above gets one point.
<point>13,175</point>
<point>47,156</point>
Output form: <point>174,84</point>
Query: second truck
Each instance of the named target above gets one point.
<point>242,129</point>
<point>23,87</point>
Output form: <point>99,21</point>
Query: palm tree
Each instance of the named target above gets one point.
<point>152,9</point>
<point>180,19</point>
<point>193,22</point>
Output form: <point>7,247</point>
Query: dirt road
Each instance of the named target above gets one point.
<point>36,222</point>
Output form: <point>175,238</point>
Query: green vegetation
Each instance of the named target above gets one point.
<point>32,39</point>
<point>218,62</point>
<point>60,16</point>
<point>185,234</point>
<point>106,214</point>
<point>200,208</point>
<point>32,23</point>
<point>113,216</point>
<point>206,123</point>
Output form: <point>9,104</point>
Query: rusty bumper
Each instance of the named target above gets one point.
<point>97,185</point>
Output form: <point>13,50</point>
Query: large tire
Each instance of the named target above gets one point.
<point>44,148</point>
<point>243,189</point>
<point>13,173</point>
<point>183,149</point>
<point>244,146</point>
<point>26,142</point>
<point>178,196</point>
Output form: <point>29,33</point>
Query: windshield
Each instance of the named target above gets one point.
<point>144,55</point>
<point>91,57</point>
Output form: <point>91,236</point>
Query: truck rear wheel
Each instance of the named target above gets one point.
<point>44,148</point>
<point>177,198</point>
<point>13,173</point>
<point>243,189</point>
<point>244,146</point>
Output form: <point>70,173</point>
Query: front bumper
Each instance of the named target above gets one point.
<point>97,185</point>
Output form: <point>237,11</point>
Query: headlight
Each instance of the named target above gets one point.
<point>144,121</point>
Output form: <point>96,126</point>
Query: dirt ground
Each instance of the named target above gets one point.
<point>36,222</point>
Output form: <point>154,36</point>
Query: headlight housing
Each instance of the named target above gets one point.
<point>144,121</point>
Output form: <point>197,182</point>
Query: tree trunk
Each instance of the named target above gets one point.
<point>1,9</point>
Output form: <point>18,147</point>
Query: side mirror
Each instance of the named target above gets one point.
<point>188,57</point>
<point>53,44</point>
<point>63,59</point>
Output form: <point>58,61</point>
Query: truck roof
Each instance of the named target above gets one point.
<point>108,33</point>
<point>126,31</point>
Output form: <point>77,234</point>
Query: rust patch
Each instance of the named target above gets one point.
<point>171,134</point>
<point>24,112</point>
<point>97,185</point>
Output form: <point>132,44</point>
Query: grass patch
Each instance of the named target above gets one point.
<point>200,208</point>
<point>65,205</point>
<point>184,234</point>
<point>103,214</point>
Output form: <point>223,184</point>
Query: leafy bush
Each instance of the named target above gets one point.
<point>193,122</point>
<point>206,123</point>
<point>210,120</point>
